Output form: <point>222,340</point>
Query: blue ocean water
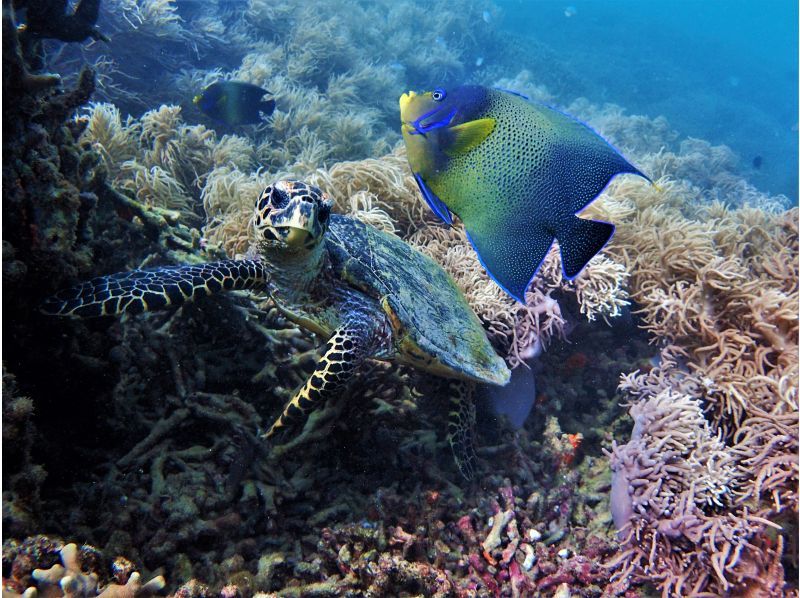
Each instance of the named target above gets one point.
<point>724,71</point>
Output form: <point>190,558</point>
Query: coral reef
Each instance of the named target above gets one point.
<point>141,436</point>
<point>81,572</point>
<point>712,285</point>
<point>63,221</point>
<point>716,288</point>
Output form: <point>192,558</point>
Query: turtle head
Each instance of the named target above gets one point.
<point>291,216</point>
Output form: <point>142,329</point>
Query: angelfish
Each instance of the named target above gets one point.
<point>515,172</point>
<point>235,102</point>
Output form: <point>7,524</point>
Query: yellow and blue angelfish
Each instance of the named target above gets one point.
<point>515,172</point>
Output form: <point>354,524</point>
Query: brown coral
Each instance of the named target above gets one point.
<point>717,289</point>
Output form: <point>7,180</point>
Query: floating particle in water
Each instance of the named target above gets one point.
<point>487,16</point>
<point>757,162</point>
<point>570,11</point>
<point>479,61</point>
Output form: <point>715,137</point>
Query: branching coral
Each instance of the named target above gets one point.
<point>681,497</point>
<point>79,574</point>
<point>116,141</point>
<point>716,287</point>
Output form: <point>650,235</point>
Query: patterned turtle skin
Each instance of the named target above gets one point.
<point>368,292</point>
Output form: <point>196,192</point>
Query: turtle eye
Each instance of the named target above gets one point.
<point>438,94</point>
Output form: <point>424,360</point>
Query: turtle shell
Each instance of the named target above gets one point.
<point>435,328</point>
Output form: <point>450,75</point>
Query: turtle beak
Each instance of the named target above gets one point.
<point>296,237</point>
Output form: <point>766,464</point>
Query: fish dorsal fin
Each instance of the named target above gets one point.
<point>469,135</point>
<point>513,93</point>
<point>511,258</point>
<point>436,204</point>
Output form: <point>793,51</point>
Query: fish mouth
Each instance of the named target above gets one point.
<point>432,120</point>
<point>404,100</point>
<point>429,121</point>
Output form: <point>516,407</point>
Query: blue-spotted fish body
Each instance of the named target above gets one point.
<point>515,172</point>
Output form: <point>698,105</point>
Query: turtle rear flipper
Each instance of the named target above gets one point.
<point>147,290</point>
<point>344,353</point>
<point>461,426</point>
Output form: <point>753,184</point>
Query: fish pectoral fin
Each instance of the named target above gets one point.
<point>511,259</point>
<point>469,135</point>
<point>437,205</point>
<point>580,240</point>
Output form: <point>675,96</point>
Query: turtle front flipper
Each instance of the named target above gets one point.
<point>146,290</point>
<point>345,351</point>
<point>461,426</point>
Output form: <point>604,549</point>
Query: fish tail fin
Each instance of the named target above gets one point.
<point>267,106</point>
<point>580,240</point>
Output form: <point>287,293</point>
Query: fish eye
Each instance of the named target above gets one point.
<point>438,94</point>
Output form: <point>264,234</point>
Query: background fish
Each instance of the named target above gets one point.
<point>234,102</point>
<point>515,172</point>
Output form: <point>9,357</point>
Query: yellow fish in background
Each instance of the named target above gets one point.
<point>515,172</point>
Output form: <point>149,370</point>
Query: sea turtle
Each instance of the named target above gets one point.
<point>368,292</point>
